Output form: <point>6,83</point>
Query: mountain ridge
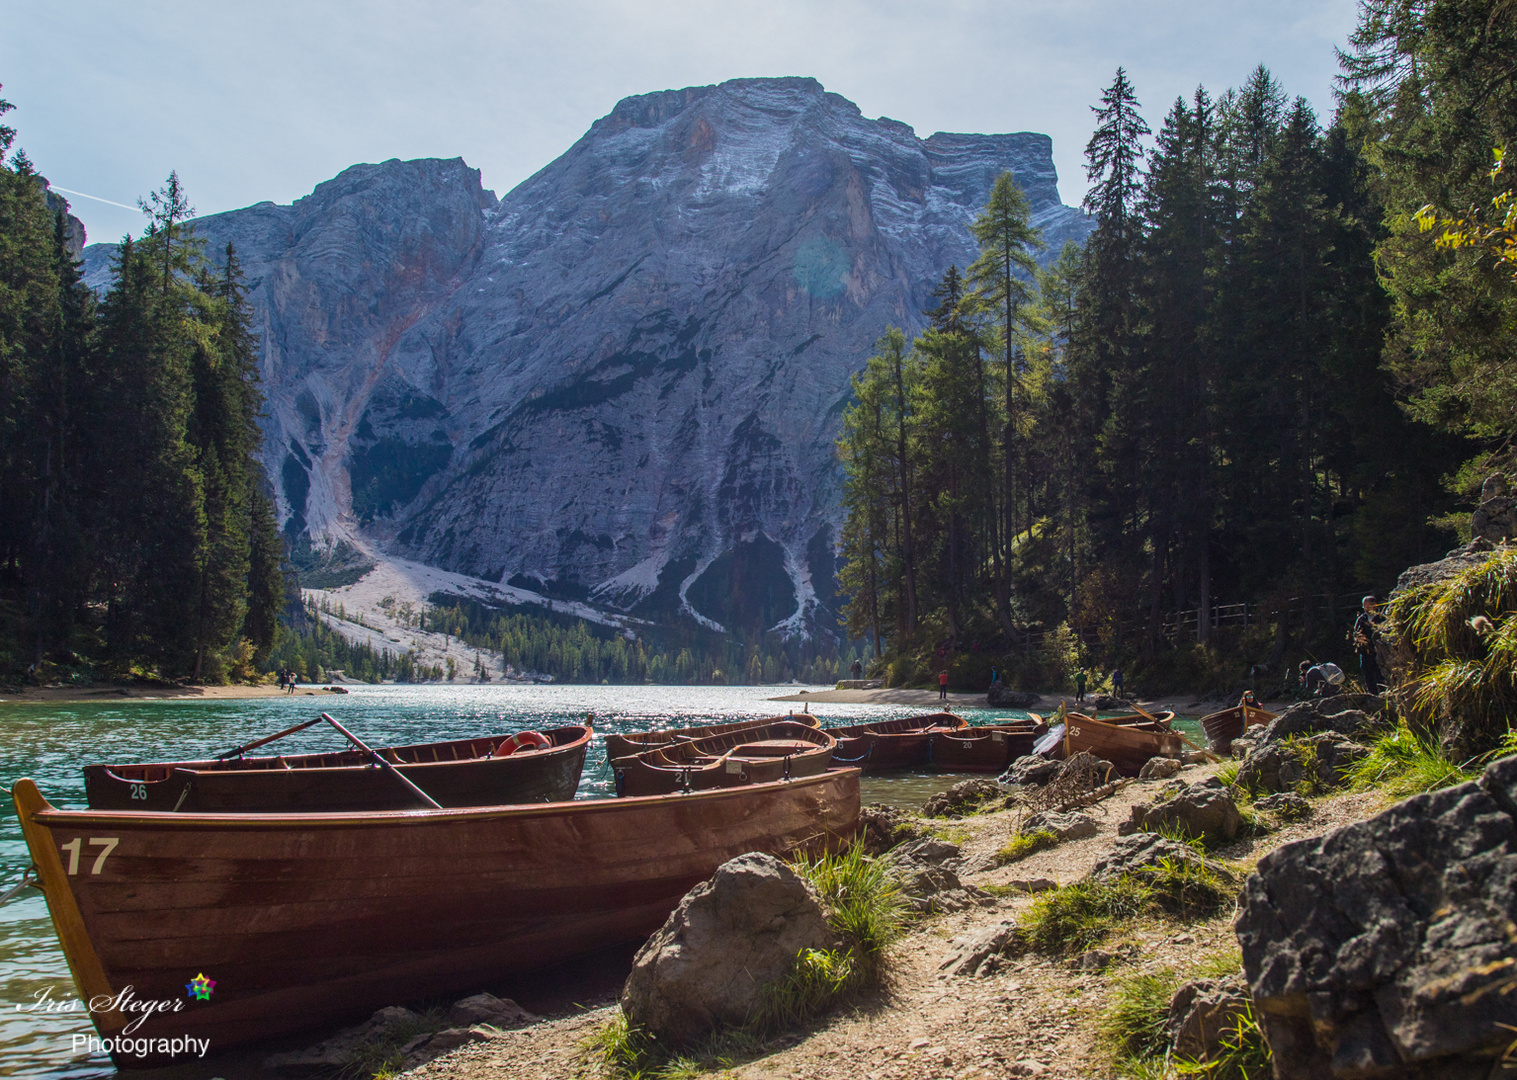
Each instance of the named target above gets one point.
<point>620,381</point>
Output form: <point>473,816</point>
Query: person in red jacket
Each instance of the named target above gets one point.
<point>943,685</point>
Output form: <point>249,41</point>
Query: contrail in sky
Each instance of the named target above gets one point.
<point>97,198</point>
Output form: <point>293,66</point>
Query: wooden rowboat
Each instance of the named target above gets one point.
<point>463,772</point>
<point>636,742</point>
<point>309,920</point>
<point>750,755</point>
<point>984,749</point>
<point>1223,727</point>
<point>892,744</point>
<point>1127,745</point>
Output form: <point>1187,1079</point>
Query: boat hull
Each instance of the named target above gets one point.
<point>344,781</point>
<point>308,920</point>
<point>989,749</point>
<point>1127,746</point>
<point>638,742</point>
<point>892,744</point>
<point>1223,727</point>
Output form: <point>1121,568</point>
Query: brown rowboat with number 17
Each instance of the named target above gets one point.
<point>310,920</point>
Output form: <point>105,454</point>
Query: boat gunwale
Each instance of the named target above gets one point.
<point>56,817</point>
<point>364,763</point>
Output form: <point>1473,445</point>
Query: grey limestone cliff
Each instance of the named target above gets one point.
<point>622,381</point>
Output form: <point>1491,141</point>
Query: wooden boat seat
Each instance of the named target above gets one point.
<point>769,748</point>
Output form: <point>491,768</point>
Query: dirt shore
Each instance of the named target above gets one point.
<point>76,695</point>
<point>1036,1016</point>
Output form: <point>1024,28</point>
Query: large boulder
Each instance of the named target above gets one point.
<point>1323,760</point>
<point>1386,948</point>
<point>1347,714</point>
<point>1005,697</point>
<point>1204,810</point>
<point>731,936</point>
<point>1159,768</point>
<point>1201,1013</point>
<point>1031,770</point>
<point>1495,519</point>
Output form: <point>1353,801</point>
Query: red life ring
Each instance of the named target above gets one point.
<point>530,739</point>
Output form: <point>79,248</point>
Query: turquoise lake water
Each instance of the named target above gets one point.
<point>49,743</point>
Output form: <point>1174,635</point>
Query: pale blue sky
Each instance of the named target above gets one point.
<point>265,99</point>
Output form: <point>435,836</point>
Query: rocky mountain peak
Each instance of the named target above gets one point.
<point>621,382</point>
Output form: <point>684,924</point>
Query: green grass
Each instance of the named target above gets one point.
<point>1405,762</point>
<point>1242,1055</point>
<point>819,979</point>
<point>1133,1027</point>
<point>865,905</point>
<point>1190,889</point>
<point>1079,916</point>
<point>1024,844</point>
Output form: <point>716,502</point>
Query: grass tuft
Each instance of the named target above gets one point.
<point>865,905</point>
<point>1242,1054</point>
<point>819,979</point>
<point>1079,916</point>
<point>1133,1029</point>
<point>382,1058</point>
<point>1024,844</point>
<point>1188,888</point>
<point>1405,762</point>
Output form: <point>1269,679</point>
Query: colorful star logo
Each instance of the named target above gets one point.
<point>200,988</point>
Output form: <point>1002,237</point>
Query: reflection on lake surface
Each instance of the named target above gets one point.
<point>49,743</point>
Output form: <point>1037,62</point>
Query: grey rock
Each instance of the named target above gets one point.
<point>340,1050</point>
<point>1140,854</point>
<point>731,936</point>
<point>1286,806</point>
<point>1094,960</point>
<point>979,952</point>
<point>1323,760</point>
<point>1201,1013</point>
<point>883,827</point>
<point>1495,519</point>
<point>1159,768</point>
<point>1347,714</point>
<point>1066,826</point>
<point>1005,697</point>
<point>1204,810</point>
<point>424,1048</point>
<point>670,312</point>
<point>1032,885</point>
<point>930,883</point>
<point>1385,947</point>
<point>1031,770</point>
<point>1106,703</point>
<point>502,1013</point>
<point>1241,748</point>
<point>964,797</point>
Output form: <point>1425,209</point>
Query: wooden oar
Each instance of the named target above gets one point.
<point>1193,746</point>
<point>356,741</point>
<point>264,742</point>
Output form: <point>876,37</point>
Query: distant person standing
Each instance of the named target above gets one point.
<point>281,678</point>
<point>1364,644</point>
<point>1116,682</point>
<point>1080,687</point>
<point>943,685</point>
<point>857,671</point>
